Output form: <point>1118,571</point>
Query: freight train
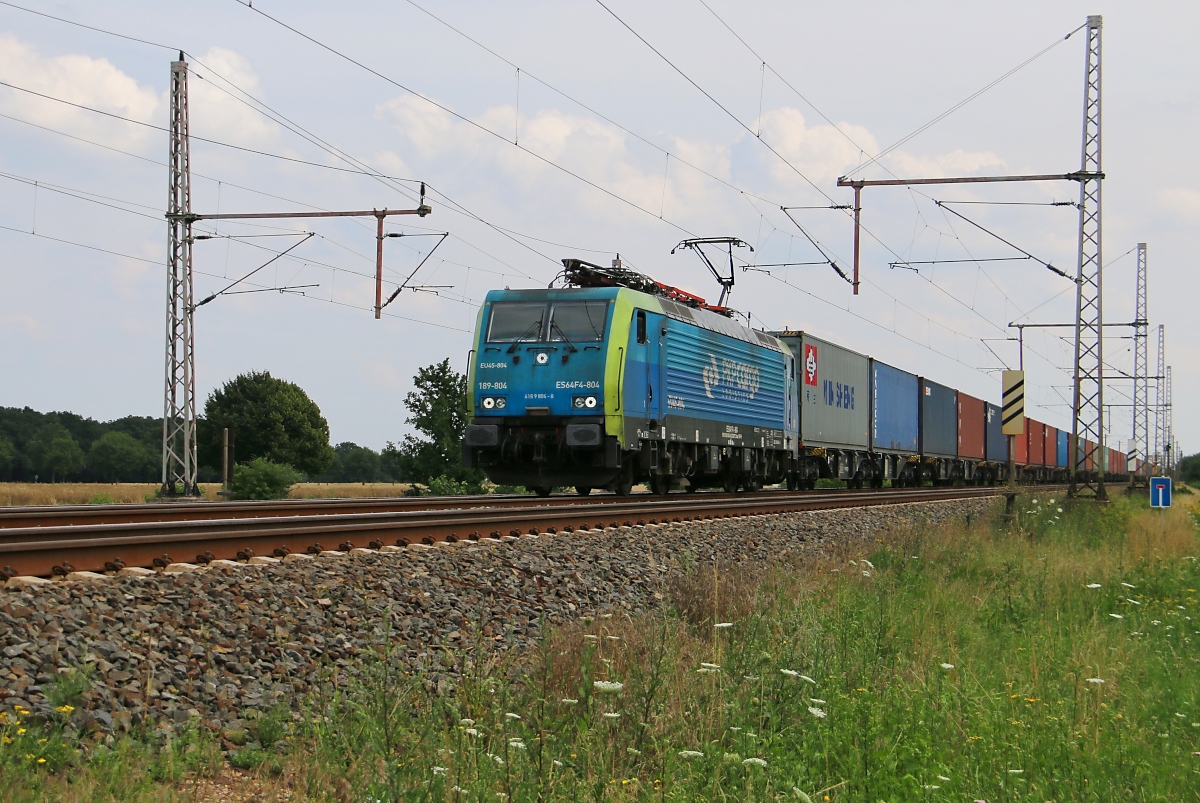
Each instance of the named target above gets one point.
<point>615,380</point>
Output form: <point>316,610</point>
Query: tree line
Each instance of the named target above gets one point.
<point>269,418</point>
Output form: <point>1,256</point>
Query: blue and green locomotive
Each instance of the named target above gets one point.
<point>606,384</point>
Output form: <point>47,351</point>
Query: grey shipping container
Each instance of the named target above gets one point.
<point>939,420</point>
<point>833,385</point>
<point>895,417</point>
<point>997,443</point>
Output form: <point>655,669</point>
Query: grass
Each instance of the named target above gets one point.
<point>959,664</point>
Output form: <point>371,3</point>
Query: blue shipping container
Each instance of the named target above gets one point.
<point>895,425</point>
<point>939,420</point>
<point>1064,442</point>
<point>997,443</point>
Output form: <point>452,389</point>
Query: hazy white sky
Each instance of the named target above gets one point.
<point>615,151</point>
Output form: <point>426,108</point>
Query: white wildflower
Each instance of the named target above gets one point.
<point>1156,622</point>
<point>932,786</point>
<point>869,563</point>
<point>756,762</point>
<point>751,677</point>
<point>569,701</point>
<point>1116,616</point>
<point>1060,510</point>
<point>1181,716</point>
<point>557,763</point>
<point>607,686</point>
<point>606,616</point>
<point>502,795</point>
<point>866,573</point>
<point>723,625</point>
<point>496,758</point>
<point>472,731</point>
<point>943,778</point>
<point>1051,502</point>
<point>590,637</point>
<point>816,712</point>
<point>704,671</point>
<point>816,700</point>
<point>1015,772</point>
<point>511,715</point>
<point>736,730</point>
<point>1128,585</point>
<point>613,638</point>
<point>710,666</point>
<point>1134,601</point>
<point>791,673</point>
<point>516,744</point>
<point>612,715</point>
<point>458,790</point>
<point>810,680</point>
<point>633,751</point>
<point>1095,680</point>
<point>1093,585</point>
<point>439,770</point>
<point>947,667</point>
<point>690,754</point>
<point>467,722</point>
<point>801,795</point>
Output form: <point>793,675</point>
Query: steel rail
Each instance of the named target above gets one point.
<point>46,551</point>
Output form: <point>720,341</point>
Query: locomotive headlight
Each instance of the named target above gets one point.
<point>488,402</point>
<point>589,402</point>
<point>580,402</point>
<point>500,403</point>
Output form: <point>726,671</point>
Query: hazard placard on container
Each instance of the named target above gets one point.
<point>1012,411</point>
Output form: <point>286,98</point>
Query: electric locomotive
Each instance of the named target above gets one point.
<point>616,379</point>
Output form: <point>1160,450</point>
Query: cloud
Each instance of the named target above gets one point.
<point>218,111</point>
<point>820,152</point>
<point>955,163</point>
<point>77,78</point>
<point>1181,203</point>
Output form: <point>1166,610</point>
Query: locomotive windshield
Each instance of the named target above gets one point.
<point>516,321</point>
<point>570,321</point>
<point>578,321</point>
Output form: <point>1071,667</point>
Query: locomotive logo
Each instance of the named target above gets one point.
<point>810,365</point>
<point>736,380</point>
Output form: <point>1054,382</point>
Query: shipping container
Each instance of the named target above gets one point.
<point>995,442</point>
<point>1064,445</point>
<point>971,427</point>
<point>833,386</point>
<point>1021,455</point>
<point>1089,451</point>
<point>895,424</point>
<point>1035,442</point>
<point>939,419</point>
<point>1050,446</point>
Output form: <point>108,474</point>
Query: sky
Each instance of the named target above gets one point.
<point>546,130</point>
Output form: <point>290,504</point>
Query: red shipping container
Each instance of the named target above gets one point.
<point>1050,449</point>
<point>970,427</point>
<point>1035,436</point>
<point>1021,457</point>
<point>1089,451</point>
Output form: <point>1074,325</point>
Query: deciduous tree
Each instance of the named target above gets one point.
<point>53,452</point>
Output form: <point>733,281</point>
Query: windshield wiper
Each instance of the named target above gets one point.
<point>553,326</point>
<point>534,328</point>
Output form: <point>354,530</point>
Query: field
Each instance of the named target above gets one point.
<point>87,493</point>
<point>1053,661</point>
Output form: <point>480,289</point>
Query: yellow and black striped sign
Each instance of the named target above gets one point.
<point>1012,414</point>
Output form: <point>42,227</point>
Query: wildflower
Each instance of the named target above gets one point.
<point>943,778</point>
<point>606,616</point>
<point>502,795</point>
<point>458,790</point>
<point>471,732</point>
<point>690,754</point>
<point>1134,601</point>
<point>590,637</point>
<point>569,701</point>
<point>1116,616</point>
<point>736,730</point>
<point>932,786</point>
<point>1095,680</point>
<point>723,625</point>
<point>20,731</point>
<point>704,671</point>
<point>731,758</point>
<point>1060,510</point>
<point>947,667</point>
<point>65,709</point>
<point>612,715</point>
<point>496,758</point>
<point>791,673</point>
<point>815,700</point>
<point>756,762</point>
<point>751,677</point>
<point>869,563</point>
<point>613,638</point>
<point>866,573</point>
<point>1128,585</point>
<point>810,680</point>
<point>1093,585</point>
<point>511,715</point>
<point>557,763</point>
<point>816,712</point>
<point>439,770</point>
<point>516,744</point>
<point>1156,622</point>
<point>1015,772</point>
<point>710,666</point>
<point>633,751</point>
<point>607,686</point>
<point>1035,501</point>
<point>467,722</point>
<point>41,761</point>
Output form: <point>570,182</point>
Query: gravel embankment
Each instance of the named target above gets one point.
<point>224,642</point>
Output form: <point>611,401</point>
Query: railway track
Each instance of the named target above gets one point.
<point>281,530</point>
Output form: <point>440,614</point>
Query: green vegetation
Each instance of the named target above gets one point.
<point>1053,661</point>
<point>262,479</point>
<point>437,410</point>
<point>269,418</point>
<point>1189,468</point>
<point>60,445</point>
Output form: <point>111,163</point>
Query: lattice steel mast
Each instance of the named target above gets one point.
<point>1139,447</point>
<point>179,404</point>
<point>1169,430</point>
<point>1088,401</point>
<point>1160,402</point>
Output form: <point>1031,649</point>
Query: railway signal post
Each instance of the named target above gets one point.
<point>1012,424</point>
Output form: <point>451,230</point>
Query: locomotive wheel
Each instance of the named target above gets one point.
<point>542,490</point>
<point>623,484</point>
<point>660,485</point>
<point>692,487</point>
<point>583,490</point>
<point>730,483</point>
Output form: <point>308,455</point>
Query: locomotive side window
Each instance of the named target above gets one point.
<point>641,327</point>
<point>578,321</point>
<point>515,320</point>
